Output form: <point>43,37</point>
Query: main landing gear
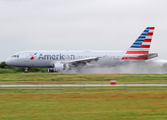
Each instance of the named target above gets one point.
<point>26,70</point>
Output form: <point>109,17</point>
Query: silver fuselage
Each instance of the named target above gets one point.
<point>46,59</point>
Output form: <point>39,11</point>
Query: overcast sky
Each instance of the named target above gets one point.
<point>80,25</point>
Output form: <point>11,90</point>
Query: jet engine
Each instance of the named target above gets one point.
<point>59,67</point>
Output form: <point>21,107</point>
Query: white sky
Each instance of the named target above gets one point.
<point>80,24</point>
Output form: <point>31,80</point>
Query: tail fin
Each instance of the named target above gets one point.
<point>141,46</point>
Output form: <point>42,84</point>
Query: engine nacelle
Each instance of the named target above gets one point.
<point>59,67</point>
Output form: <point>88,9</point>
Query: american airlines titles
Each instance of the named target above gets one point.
<point>56,57</point>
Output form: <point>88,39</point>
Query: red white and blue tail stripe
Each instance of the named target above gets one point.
<point>140,48</point>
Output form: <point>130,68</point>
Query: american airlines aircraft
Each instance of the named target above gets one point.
<point>59,61</point>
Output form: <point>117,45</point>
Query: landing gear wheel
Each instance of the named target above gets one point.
<point>26,70</point>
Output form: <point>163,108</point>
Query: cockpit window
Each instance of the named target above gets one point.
<point>15,56</point>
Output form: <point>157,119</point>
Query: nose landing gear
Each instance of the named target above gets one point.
<point>26,70</point>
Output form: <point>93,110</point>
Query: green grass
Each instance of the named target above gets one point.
<point>70,104</point>
<point>88,103</point>
<point>52,78</point>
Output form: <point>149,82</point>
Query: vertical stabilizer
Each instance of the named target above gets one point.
<point>141,46</point>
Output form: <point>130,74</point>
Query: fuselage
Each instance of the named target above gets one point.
<point>46,59</point>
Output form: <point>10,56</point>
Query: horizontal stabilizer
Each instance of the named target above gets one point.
<point>149,56</point>
<point>140,57</point>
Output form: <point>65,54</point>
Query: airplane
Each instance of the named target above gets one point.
<point>59,61</point>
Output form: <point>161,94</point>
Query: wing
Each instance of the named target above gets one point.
<point>82,61</point>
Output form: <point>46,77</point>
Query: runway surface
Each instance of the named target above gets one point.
<point>80,85</point>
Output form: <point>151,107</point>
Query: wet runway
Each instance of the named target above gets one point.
<point>80,85</point>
